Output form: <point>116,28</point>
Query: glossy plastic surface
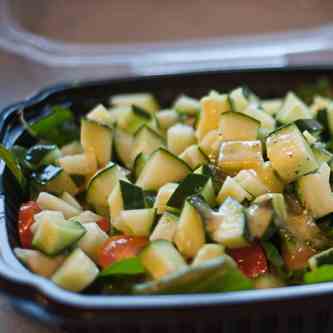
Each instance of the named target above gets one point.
<point>91,47</point>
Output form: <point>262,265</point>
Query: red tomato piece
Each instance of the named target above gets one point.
<point>104,224</point>
<point>120,247</point>
<point>251,260</point>
<point>25,220</point>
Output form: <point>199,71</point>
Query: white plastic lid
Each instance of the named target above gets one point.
<point>84,47</point>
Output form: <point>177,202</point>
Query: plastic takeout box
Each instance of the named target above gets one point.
<point>269,64</point>
<point>298,307</point>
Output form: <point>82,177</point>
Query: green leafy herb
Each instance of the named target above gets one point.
<point>232,280</point>
<point>20,154</point>
<point>57,127</point>
<point>56,118</point>
<point>129,266</point>
<point>216,275</point>
<point>13,165</point>
<point>322,274</point>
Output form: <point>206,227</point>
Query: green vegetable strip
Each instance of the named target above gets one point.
<point>57,127</point>
<point>130,266</point>
<point>322,274</point>
<point>13,165</point>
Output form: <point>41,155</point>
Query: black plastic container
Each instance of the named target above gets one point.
<point>290,309</point>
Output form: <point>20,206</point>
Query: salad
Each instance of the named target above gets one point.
<point>229,192</point>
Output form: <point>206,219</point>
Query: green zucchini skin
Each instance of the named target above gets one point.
<point>322,258</point>
<point>101,185</point>
<point>162,167</point>
<point>132,195</point>
<point>290,154</point>
<point>192,184</point>
<point>42,154</point>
